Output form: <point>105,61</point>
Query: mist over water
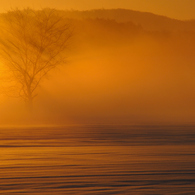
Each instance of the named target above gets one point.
<point>141,79</point>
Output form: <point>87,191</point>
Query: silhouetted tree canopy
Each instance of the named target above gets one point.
<point>33,43</point>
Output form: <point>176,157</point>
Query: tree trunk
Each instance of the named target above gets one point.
<point>29,105</point>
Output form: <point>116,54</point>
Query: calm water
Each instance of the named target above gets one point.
<point>98,160</point>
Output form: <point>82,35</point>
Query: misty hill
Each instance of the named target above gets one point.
<point>104,32</point>
<point>148,21</point>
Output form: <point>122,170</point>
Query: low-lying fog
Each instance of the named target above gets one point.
<point>148,78</point>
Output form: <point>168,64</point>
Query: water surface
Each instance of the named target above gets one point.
<point>98,159</point>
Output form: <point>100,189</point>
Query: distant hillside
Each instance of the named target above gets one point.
<point>101,28</point>
<point>148,21</point>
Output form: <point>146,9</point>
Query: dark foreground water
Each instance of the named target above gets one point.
<point>98,160</point>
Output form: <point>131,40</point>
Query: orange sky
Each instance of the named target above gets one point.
<point>180,9</point>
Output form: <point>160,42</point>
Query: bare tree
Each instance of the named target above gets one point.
<point>32,43</point>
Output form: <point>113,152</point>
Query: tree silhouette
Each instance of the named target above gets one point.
<point>32,44</point>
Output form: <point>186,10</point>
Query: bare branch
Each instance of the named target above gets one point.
<point>32,44</point>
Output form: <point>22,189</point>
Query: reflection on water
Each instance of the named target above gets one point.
<point>98,160</point>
